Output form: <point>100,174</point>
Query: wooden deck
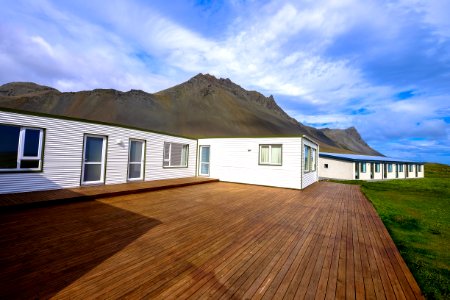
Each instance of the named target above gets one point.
<point>217,240</point>
<point>96,191</point>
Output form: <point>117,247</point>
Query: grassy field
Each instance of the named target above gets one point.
<point>417,214</point>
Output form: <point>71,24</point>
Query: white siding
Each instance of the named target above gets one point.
<point>310,177</point>
<point>364,175</point>
<point>421,174</point>
<point>378,175</point>
<point>343,169</point>
<point>237,160</point>
<point>63,154</point>
<point>337,169</point>
<point>390,175</point>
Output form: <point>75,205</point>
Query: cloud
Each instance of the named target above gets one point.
<point>382,66</point>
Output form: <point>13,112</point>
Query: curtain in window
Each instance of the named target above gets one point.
<point>307,156</point>
<point>276,155</point>
<point>184,155</point>
<point>264,159</point>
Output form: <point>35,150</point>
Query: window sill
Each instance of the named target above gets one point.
<point>271,165</point>
<point>6,171</point>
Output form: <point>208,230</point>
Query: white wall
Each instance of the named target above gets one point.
<point>365,175</point>
<point>237,160</point>
<point>421,174</point>
<point>63,154</point>
<point>310,177</point>
<point>342,169</point>
<point>337,169</point>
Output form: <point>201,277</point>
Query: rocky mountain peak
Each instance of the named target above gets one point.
<point>203,106</point>
<point>23,88</point>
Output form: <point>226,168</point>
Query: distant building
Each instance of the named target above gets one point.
<point>365,167</point>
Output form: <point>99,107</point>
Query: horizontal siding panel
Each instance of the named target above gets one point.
<point>237,160</point>
<point>63,153</point>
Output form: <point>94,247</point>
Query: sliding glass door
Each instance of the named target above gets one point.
<point>93,170</point>
<point>136,160</point>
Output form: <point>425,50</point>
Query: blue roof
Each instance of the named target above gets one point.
<point>357,157</point>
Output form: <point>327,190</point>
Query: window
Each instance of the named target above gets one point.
<point>20,148</point>
<point>411,168</point>
<point>307,158</point>
<point>325,166</point>
<point>419,168</point>
<point>400,167</point>
<point>270,155</point>
<point>363,167</point>
<point>136,160</point>
<point>390,168</point>
<point>175,155</point>
<point>377,168</point>
<point>313,160</point>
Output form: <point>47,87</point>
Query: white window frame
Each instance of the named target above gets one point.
<point>363,167</point>
<point>307,158</point>
<point>102,163</point>
<point>202,162</point>
<point>270,162</point>
<point>377,167</point>
<point>21,149</point>
<point>142,162</point>
<point>313,159</point>
<point>390,168</point>
<point>168,160</point>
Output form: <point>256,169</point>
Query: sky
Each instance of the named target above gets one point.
<point>381,66</point>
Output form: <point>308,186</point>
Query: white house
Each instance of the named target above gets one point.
<point>365,167</point>
<point>289,162</point>
<point>43,152</point>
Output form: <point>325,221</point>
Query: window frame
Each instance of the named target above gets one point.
<point>390,168</point>
<point>377,167</point>
<point>363,166</point>
<point>306,159</point>
<point>142,162</point>
<point>313,159</point>
<point>21,148</point>
<point>170,155</point>
<point>270,163</point>
<point>103,162</point>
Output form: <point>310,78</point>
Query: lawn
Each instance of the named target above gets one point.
<point>417,214</point>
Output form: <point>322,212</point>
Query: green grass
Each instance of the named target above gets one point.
<point>416,213</point>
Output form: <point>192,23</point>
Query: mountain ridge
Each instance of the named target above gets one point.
<point>203,106</point>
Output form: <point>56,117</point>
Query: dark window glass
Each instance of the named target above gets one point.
<point>9,142</point>
<point>31,145</point>
<point>94,149</point>
<point>92,172</point>
<point>135,171</point>
<point>136,151</point>
<point>29,164</point>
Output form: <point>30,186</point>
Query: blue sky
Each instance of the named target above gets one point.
<point>381,66</point>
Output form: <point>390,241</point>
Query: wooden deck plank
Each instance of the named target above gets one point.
<point>210,241</point>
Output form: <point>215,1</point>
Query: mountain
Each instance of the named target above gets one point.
<point>203,106</point>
